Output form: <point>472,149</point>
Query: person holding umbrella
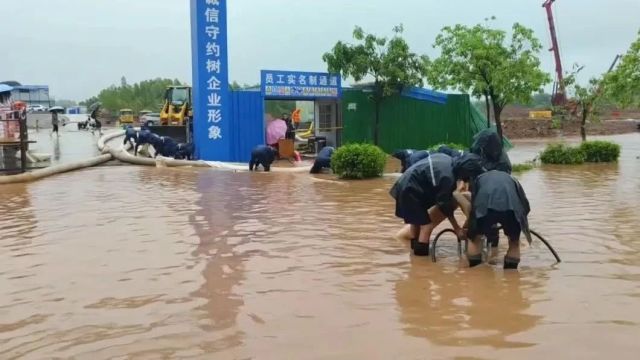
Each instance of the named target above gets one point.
<point>276,130</point>
<point>93,121</point>
<point>54,119</point>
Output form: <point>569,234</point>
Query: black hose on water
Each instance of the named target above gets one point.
<point>435,243</point>
<point>544,241</point>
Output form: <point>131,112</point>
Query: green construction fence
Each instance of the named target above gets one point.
<point>410,123</point>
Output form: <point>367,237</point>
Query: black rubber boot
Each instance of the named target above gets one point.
<point>511,263</point>
<point>421,249</point>
<point>474,260</point>
<point>413,243</point>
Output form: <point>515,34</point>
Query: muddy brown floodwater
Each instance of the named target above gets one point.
<point>146,263</point>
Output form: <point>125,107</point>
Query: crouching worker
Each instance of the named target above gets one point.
<point>424,197</point>
<point>488,146</point>
<point>262,155</point>
<point>323,161</point>
<point>496,198</point>
<point>409,157</point>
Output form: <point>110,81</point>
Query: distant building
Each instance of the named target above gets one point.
<point>31,94</point>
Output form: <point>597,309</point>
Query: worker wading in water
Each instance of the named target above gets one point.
<point>496,198</point>
<point>424,198</point>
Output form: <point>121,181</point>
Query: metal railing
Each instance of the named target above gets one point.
<point>13,137</point>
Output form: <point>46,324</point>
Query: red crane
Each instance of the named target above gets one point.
<point>559,97</point>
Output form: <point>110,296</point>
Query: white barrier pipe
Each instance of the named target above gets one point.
<point>123,155</point>
<point>54,170</point>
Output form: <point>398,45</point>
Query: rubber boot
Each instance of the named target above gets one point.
<point>421,249</point>
<point>511,263</point>
<point>474,260</point>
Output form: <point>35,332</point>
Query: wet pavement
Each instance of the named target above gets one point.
<point>147,263</point>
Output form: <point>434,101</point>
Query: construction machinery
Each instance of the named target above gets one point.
<point>559,97</point>
<point>177,108</point>
<point>126,116</point>
<point>176,115</point>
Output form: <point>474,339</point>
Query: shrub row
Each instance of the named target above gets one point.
<point>588,151</point>
<point>358,161</point>
<point>363,161</point>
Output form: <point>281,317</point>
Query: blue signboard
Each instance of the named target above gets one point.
<point>211,97</point>
<point>299,85</point>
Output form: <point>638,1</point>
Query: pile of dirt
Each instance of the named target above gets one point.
<point>537,128</point>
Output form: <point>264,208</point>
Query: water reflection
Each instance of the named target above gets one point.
<point>223,263</point>
<point>461,308</point>
<point>56,148</point>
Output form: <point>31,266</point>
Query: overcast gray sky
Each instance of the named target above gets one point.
<point>78,47</point>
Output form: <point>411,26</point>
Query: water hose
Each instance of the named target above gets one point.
<point>534,233</point>
<point>54,170</point>
<point>435,243</point>
<point>544,241</point>
<point>123,155</point>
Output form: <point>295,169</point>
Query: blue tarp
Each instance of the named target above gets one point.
<point>5,88</point>
<point>425,94</point>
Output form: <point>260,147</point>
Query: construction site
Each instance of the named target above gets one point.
<point>317,213</point>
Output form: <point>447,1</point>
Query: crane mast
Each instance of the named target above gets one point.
<point>559,96</point>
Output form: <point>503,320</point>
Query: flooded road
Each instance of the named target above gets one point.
<point>146,263</point>
<point>72,145</point>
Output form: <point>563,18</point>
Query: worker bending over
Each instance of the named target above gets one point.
<point>323,160</point>
<point>496,198</point>
<point>424,198</point>
<point>409,157</point>
<point>263,155</point>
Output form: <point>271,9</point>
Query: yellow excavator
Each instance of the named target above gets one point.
<point>177,109</point>
<point>176,115</point>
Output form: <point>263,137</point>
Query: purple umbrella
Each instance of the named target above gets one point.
<point>276,130</point>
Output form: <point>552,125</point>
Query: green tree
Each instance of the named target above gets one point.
<point>541,101</point>
<point>587,99</point>
<point>483,62</point>
<point>145,95</point>
<point>90,101</point>
<point>623,83</point>
<point>389,62</point>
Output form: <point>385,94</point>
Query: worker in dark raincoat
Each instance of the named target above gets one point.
<point>496,198</point>
<point>424,196</point>
<point>262,155</point>
<point>323,160</point>
<point>409,157</point>
<point>444,149</point>
<point>488,146</point>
